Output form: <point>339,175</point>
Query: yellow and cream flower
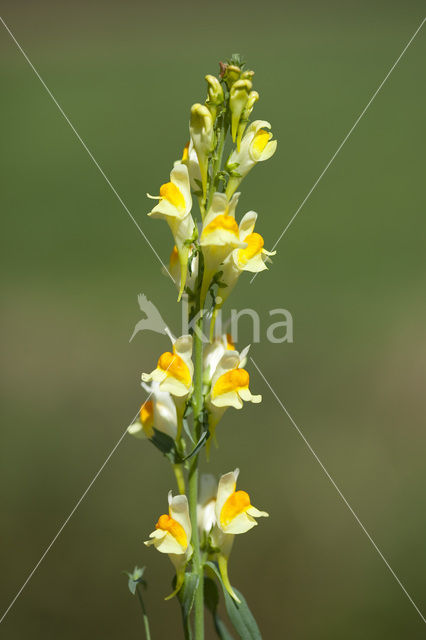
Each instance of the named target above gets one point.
<point>234,512</point>
<point>174,371</point>
<point>252,258</point>
<point>230,383</point>
<point>219,237</point>
<point>256,146</point>
<point>234,515</point>
<point>202,136</point>
<point>175,203</point>
<point>174,374</point>
<point>229,388</point>
<point>172,535</point>
<point>158,412</point>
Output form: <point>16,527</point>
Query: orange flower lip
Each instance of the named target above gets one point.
<point>237,503</point>
<point>146,411</point>
<point>174,366</point>
<point>169,524</point>
<point>231,381</point>
<point>173,194</point>
<point>222,222</point>
<point>255,244</point>
<point>146,415</point>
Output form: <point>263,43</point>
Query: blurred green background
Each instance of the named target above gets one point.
<point>351,270</point>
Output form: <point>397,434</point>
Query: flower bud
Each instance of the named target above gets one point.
<point>252,98</point>
<point>201,130</point>
<point>215,95</point>
<point>247,75</point>
<point>237,101</point>
<point>231,74</point>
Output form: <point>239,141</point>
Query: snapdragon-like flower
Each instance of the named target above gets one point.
<point>256,146</point>
<point>174,371</point>
<point>202,136</point>
<point>230,383</point>
<point>172,535</point>
<point>234,515</point>
<point>229,388</point>
<point>158,412</point>
<point>222,513</point>
<point>234,512</point>
<point>175,203</point>
<point>252,258</point>
<point>219,237</point>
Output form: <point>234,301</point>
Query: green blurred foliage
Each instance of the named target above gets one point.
<point>351,269</point>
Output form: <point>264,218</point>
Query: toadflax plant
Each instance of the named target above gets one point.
<point>196,381</point>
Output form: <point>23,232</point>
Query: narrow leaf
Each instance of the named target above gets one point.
<point>186,598</point>
<point>187,429</point>
<point>165,444</point>
<point>239,613</point>
<point>221,629</point>
<point>211,595</point>
<point>211,600</point>
<point>201,442</point>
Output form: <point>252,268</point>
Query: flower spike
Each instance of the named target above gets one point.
<point>196,381</point>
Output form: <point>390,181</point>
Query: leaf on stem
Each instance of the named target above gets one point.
<point>239,613</point>
<point>166,445</point>
<point>186,597</point>
<point>211,600</point>
<point>200,444</point>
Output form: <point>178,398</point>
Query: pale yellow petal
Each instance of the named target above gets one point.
<point>229,399</point>
<point>178,506</point>
<point>240,524</point>
<point>252,511</point>
<point>226,487</point>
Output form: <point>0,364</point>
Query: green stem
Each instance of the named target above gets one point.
<point>180,478</point>
<point>144,615</point>
<point>197,404</point>
<point>217,160</point>
<point>197,563</point>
